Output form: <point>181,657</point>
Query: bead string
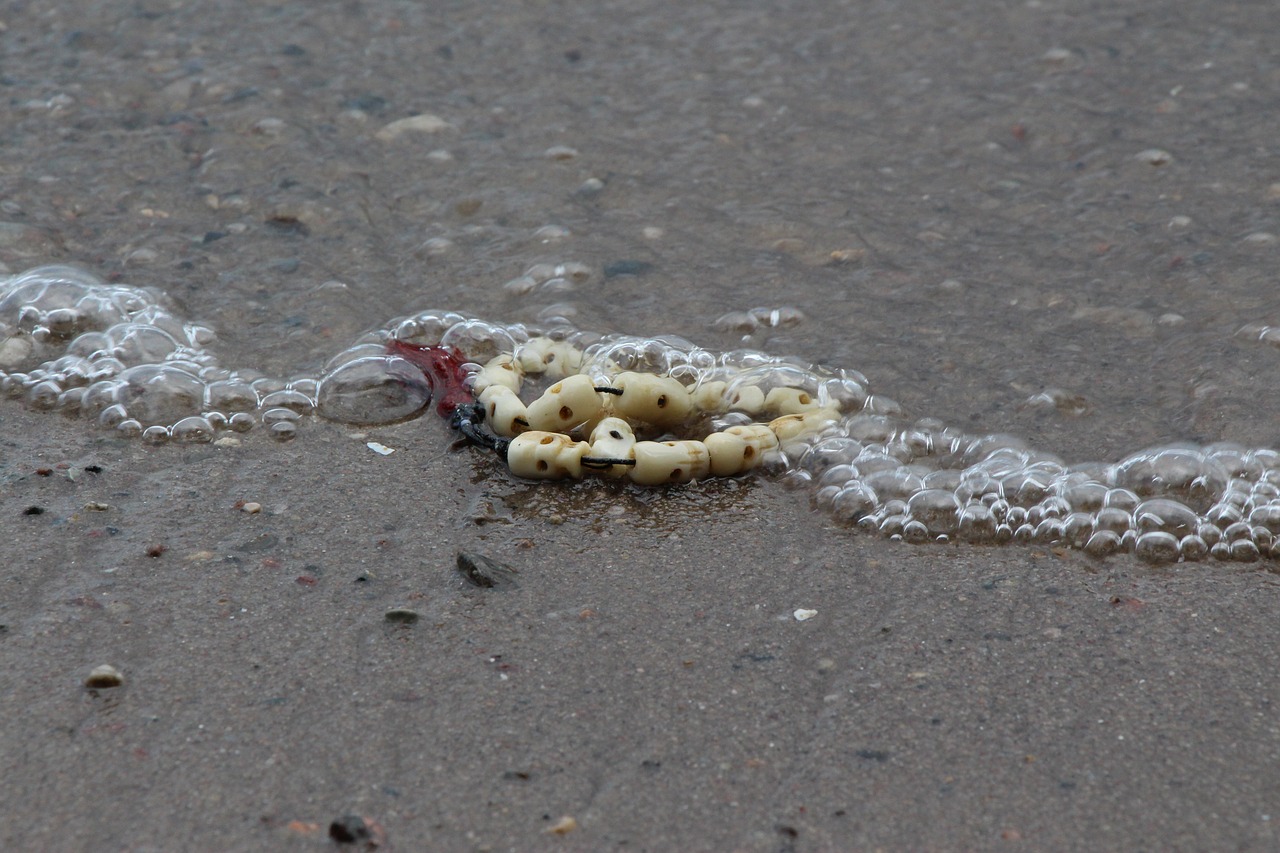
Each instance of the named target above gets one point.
<point>542,443</point>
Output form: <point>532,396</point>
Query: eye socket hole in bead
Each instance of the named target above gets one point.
<point>546,439</point>
<point>662,401</point>
<point>613,433</point>
<point>542,463</point>
<point>566,413</point>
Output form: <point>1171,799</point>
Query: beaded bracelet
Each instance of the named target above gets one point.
<point>537,439</point>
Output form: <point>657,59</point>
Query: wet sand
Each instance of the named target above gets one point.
<point>646,675</point>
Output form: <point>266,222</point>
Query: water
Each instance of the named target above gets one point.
<point>119,357</point>
<point>970,218</point>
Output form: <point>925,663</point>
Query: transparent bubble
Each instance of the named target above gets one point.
<point>477,340</point>
<point>288,399</point>
<point>271,417</point>
<point>1162,514</point>
<point>231,395</point>
<point>830,452</point>
<point>155,435</point>
<point>1157,547</point>
<point>1193,549</point>
<point>160,394</point>
<point>373,390</point>
<point>1103,543</point>
<point>937,509</point>
<point>283,431</point>
<point>192,430</point>
<point>898,484</point>
<point>976,523</point>
<point>853,502</point>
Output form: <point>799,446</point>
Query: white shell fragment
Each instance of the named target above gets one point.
<point>379,448</point>
<point>803,615</point>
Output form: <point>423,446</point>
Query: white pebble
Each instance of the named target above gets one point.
<point>379,448</point>
<point>252,508</point>
<point>1155,157</point>
<point>803,615</point>
<point>103,677</point>
<point>424,123</point>
<point>560,152</point>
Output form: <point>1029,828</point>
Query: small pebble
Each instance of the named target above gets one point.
<point>485,572</point>
<point>251,507</point>
<point>1260,238</point>
<point>424,123</point>
<point>1155,157</point>
<point>379,448</point>
<point>104,677</point>
<point>97,506</point>
<point>560,152</point>
<point>803,615</point>
<point>401,615</point>
<point>563,826</point>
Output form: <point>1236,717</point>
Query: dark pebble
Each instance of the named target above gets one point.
<point>485,572</point>
<point>349,829</point>
<point>33,510</point>
<point>401,615</point>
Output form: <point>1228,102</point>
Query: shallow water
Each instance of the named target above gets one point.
<point>1009,229</point>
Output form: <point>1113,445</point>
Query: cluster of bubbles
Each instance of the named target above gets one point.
<point>121,357</point>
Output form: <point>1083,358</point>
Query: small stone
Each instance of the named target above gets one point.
<point>104,677</point>
<point>1177,223</point>
<point>485,572</point>
<point>269,127</point>
<point>354,829</point>
<point>1155,157</point>
<point>803,615</point>
<point>97,506</point>
<point>563,826</point>
<point>1260,238</point>
<point>652,232</point>
<point>251,507</point>
<point>560,152</point>
<point>590,187</point>
<point>424,123</point>
<point>401,616</point>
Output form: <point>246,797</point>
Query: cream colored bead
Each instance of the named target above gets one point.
<point>555,359</point>
<point>790,401</point>
<point>746,398</point>
<point>566,405</point>
<point>504,412</point>
<point>658,400</point>
<point>709,396</point>
<point>739,448</point>
<point>546,456</point>
<point>670,462</point>
<point>502,370</point>
<point>613,439</point>
<point>788,427</point>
